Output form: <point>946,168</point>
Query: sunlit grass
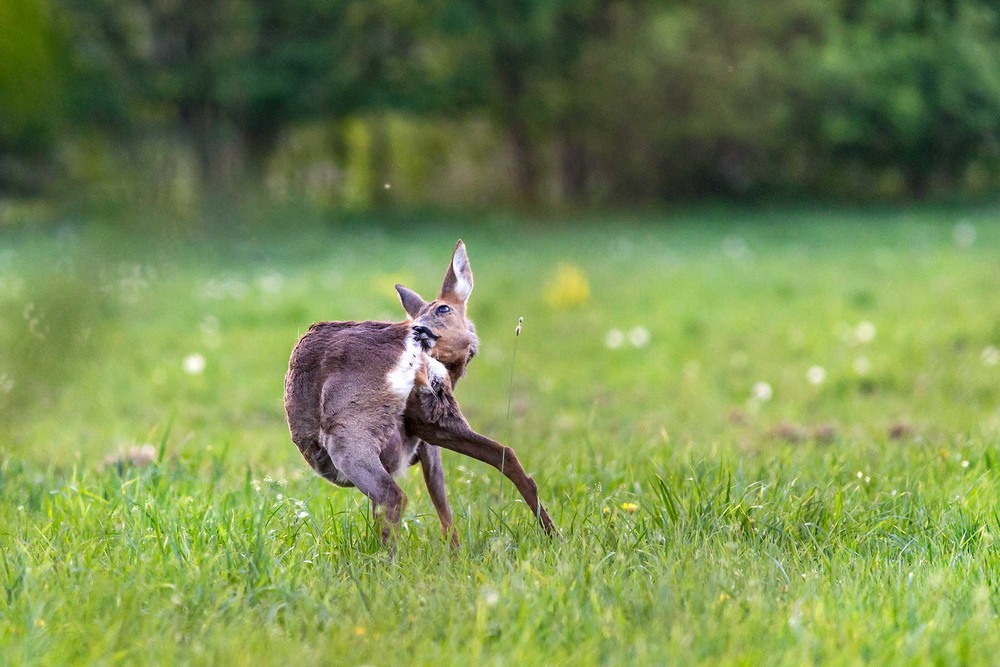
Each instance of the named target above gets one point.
<point>766,438</point>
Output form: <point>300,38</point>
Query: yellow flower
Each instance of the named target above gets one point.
<point>359,631</point>
<point>630,507</point>
<point>568,288</point>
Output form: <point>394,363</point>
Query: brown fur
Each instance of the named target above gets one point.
<point>354,430</point>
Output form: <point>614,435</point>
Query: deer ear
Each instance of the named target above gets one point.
<point>458,281</point>
<point>412,303</point>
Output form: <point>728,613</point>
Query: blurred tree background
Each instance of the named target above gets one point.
<point>171,104</point>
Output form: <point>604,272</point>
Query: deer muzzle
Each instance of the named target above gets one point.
<point>425,337</point>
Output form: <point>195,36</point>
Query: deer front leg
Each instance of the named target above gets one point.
<point>430,464</point>
<point>432,391</point>
<point>454,433</point>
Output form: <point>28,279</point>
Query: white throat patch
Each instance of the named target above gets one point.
<point>400,377</point>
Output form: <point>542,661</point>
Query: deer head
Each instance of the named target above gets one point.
<point>446,326</point>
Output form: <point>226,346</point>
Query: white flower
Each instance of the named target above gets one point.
<point>964,235</point>
<point>303,514</point>
<point>490,597</point>
<point>194,364</point>
<point>762,392</point>
<point>815,375</point>
<point>990,355</point>
<point>614,339</point>
<point>864,332</point>
<point>862,366</point>
<point>639,336</point>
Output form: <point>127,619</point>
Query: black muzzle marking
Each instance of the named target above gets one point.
<point>425,337</point>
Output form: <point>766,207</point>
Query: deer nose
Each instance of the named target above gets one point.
<point>424,336</point>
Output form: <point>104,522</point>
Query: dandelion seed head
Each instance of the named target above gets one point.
<point>864,332</point>
<point>639,336</point>
<point>194,364</point>
<point>614,339</point>
<point>762,392</point>
<point>815,375</point>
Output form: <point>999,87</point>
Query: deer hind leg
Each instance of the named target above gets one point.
<point>430,463</point>
<point>357,459</point>
<point>456,434</point>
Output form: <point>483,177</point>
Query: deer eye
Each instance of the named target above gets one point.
<point>442,309</point>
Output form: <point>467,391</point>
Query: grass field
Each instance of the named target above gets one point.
<point>767,438</point>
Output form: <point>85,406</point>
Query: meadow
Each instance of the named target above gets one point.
<point>768,437</point>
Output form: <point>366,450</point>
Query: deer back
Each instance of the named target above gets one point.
<point>353,371</point>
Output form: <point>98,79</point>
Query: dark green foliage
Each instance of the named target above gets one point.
<point>602,101</point>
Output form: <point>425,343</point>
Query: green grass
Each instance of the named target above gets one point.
<point>854,520</point>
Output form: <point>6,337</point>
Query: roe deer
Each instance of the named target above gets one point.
<point>366,400</point>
